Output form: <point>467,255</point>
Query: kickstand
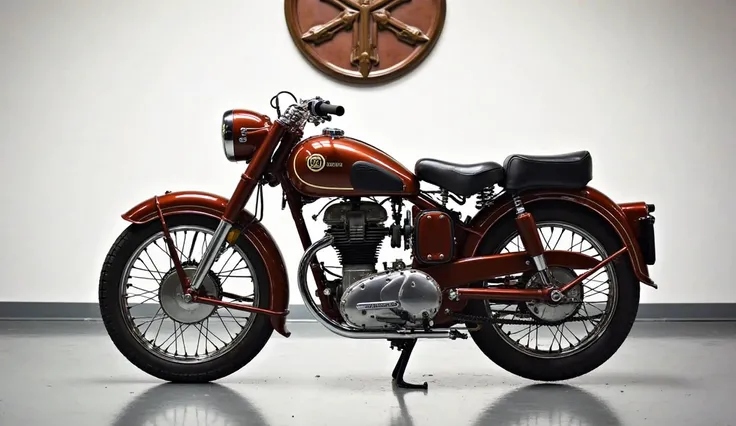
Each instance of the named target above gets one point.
<point>405,346</point>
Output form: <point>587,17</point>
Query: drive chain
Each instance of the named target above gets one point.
<point>495,320</point>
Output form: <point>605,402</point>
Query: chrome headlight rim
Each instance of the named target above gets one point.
<point>228,142</point>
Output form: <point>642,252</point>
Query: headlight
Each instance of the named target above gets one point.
<point>243,133</point>
<point>228,144</point>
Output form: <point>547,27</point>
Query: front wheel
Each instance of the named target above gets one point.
<point>551,342</point>
<point>155,329</point>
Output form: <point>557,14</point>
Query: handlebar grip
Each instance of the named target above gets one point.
<point>325,108</point>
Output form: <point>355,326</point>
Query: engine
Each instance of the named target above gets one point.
<point>396,297</point>
<point>359,231</point>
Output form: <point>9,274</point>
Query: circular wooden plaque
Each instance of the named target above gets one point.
<point>365,41</point>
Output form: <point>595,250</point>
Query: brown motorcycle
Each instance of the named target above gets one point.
<point>545,276</point>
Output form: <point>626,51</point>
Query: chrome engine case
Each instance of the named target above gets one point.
<point>396,298</point>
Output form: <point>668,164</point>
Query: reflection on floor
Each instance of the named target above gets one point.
<point>69,373</point>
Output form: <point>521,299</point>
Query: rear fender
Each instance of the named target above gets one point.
<point>204,203</point>
<point>623,218</point>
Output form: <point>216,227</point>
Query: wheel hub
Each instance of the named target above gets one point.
<point>555,312</point>
<point>175,302</point>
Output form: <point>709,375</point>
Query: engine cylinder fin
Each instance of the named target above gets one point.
<point>358,249</point>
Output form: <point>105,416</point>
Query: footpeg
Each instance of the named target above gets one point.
<point>457,334</point>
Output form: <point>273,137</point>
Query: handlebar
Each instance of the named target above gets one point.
<point>315,111</point>
<point>325,108</point>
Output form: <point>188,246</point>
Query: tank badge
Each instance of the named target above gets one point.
<point>316,162</point>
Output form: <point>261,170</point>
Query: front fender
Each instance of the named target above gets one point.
<point>213,205</point>
<point>620,218</point>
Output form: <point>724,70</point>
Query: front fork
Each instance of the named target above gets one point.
<point>211,254</point>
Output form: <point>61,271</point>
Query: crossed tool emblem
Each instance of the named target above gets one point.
<point>371,16</point>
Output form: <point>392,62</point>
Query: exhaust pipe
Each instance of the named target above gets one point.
<point>339,329</point>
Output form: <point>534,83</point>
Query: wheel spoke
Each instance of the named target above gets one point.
<point>173,318</point>
<point>164,251</point>
<point>575,336</point>
<point>206,337</point>
<point>559,238</point>
<point>594,291</point>
<point>143,278</point>
<point>149,271</point>
<point>158,331</point>
<point>160,274</point>
<point>225,264</point>
<point>151,321</point>
<point>194,241</point>
<point>546,241</point>
<point>558,335</point>
<point>231,272</point>
<point>231,315</point>
<point>138,288</point>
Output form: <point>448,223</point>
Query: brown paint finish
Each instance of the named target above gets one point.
<point>471,270</point>
<point>214,206</point>
<point>591,271</point>
<point>296,205</point>
<point>634,212</point>
<point>248,130</point>
<point>475,269</point>
<point>589,197</point>
<point>365,41</point>
<point>177,202</point>
<point>435,237</point>
<point>320,167</point>
<point>518,295</point>
<point>529,234</point>
<point>252,174</point>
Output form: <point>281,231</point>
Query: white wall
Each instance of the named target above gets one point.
<point>105,103</point>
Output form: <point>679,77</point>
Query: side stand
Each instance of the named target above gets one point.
<point>405,346</point>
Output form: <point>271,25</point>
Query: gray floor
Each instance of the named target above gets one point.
<point>69,373</point>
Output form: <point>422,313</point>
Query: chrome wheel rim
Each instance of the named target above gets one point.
<point>561,339</point>
<point>164,325</point>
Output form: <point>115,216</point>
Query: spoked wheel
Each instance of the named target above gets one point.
<point>558,341</point>
<point>156,329</point>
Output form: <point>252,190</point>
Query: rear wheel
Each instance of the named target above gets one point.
<point>562,341</point>
<point>150,324</point>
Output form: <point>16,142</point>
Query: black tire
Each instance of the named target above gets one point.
<point>500,351</point>
<point>242,353</point>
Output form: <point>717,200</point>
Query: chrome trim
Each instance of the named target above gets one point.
<point>519,205</point>
<point>228,138</point>
<point>339,329</point>
<point>218,239</point>
<point>452,295</point>
<point>539,262</point>
<point>333,132</point>
<point>229,147</point>
<point>541,266</point>
<point>371,306</point>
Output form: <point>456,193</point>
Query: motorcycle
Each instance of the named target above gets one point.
<point>539,249</point>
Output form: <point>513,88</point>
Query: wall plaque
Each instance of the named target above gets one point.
<point>365,41</point>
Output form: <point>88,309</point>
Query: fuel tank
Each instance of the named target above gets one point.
<point>334,165</point>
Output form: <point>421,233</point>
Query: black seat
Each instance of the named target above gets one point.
<point>461,179</point>
<point>564,171</point>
